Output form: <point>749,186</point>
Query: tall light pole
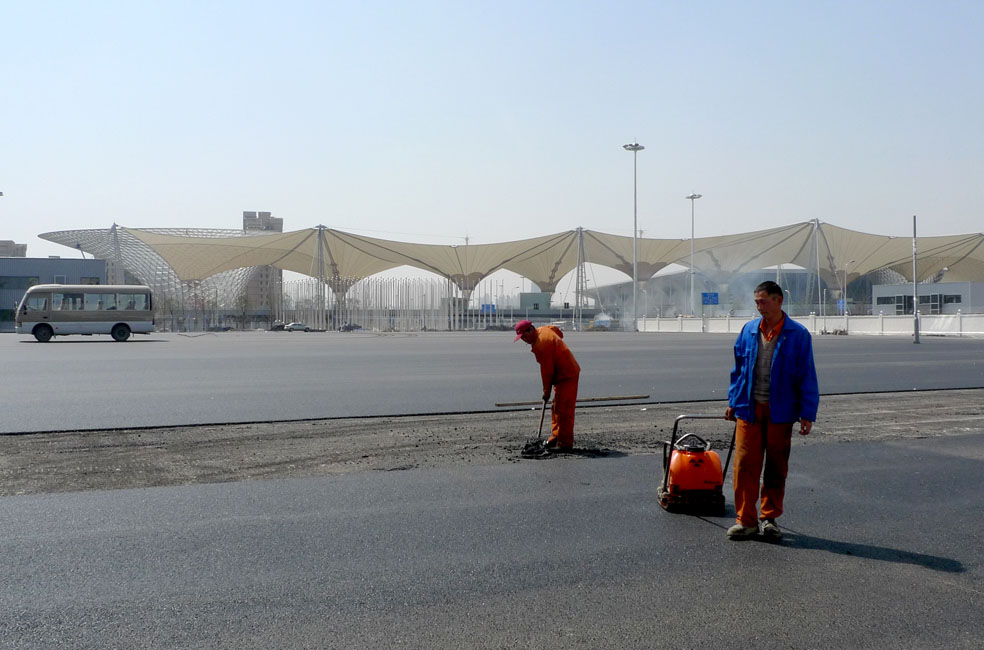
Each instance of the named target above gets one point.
<point>635,148</point>
<point>915,285</point>
<point>693,196</point>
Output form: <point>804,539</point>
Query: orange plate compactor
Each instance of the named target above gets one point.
<point>692,473</point>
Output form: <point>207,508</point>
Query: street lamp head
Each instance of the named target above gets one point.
<point>693,196</point>
<point>635,146</point>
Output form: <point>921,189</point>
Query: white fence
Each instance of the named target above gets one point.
<point>958,324</point>
<point>393,305</point>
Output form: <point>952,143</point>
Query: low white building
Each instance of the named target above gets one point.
<point>934,298</point>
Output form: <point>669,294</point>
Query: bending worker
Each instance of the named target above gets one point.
<point>773,385</point>
<point>559,370</point>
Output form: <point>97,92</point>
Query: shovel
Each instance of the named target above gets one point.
<point>533,446</point>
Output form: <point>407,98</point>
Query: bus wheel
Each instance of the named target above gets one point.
<point>43,333</point>
<point>120,332</point>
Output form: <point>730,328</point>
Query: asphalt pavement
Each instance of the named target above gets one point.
<point>78,383</point>
<point>882,545</point>
<point>882,551</point>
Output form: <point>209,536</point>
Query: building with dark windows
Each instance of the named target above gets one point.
<point>19,273</point>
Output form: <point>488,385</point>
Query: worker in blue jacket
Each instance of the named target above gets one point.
<point>773,386</point>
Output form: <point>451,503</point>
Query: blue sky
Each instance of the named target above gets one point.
<point>436,121</point>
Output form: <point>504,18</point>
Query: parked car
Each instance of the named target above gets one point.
<point>291,327</point>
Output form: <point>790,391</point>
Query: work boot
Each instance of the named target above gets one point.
<point>742,532</point>
<point>771,530</point>
<point>554,445</point>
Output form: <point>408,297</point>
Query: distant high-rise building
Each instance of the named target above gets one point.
<point>10,249</point>
<point>262,221</point>
<point>263,289</point>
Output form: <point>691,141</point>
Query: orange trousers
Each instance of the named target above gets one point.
<point>755,442</point>
<point>562,412</point>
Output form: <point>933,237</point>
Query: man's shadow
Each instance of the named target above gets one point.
<point>795,539</point>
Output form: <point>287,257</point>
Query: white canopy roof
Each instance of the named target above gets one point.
<point>342,258</point>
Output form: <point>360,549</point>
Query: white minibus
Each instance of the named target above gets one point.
<point>48,310</point>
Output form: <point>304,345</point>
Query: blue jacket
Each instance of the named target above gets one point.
<point>793,390</point>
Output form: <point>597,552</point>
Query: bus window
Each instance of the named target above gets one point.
<point>134,301</point>
<point>67,301</point>
<point>37,302</point>
<point>100,301</point>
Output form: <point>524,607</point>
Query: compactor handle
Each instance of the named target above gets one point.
<point>669,446</point>
<point>706,445</point>
<point>680,418</point>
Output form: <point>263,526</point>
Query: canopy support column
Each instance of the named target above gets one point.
<point>579,283</point>
<point>816,241</point>
<point>319,303</point>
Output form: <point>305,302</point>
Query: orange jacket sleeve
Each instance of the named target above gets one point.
<point>556,360</point>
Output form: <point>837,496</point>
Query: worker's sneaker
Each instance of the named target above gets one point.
<point>771,530</point>
<point>550,444</point>
<point>742,532</point>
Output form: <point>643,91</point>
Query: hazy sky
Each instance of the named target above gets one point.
<point>433,121</point>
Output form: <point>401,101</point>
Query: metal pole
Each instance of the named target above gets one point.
<point>319,316</point>
<point>635,243</point>
<point>823,302</point>
<point>844,296</point>
<point>635,148</point>
<point>823,312</point>
<point>915,285</point>
<point>693,197</point>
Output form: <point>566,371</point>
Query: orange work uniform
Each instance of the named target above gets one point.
<point>559,369</point>
<point>762,441</point>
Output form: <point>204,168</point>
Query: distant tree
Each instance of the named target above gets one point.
<point>165,307</point>
<point>243,305</point>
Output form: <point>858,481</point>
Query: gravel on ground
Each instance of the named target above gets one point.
<point>39,463</point>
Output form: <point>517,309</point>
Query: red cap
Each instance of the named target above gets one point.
<point>521,327</point>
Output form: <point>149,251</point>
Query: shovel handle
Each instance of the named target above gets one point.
<point>543,411</point>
